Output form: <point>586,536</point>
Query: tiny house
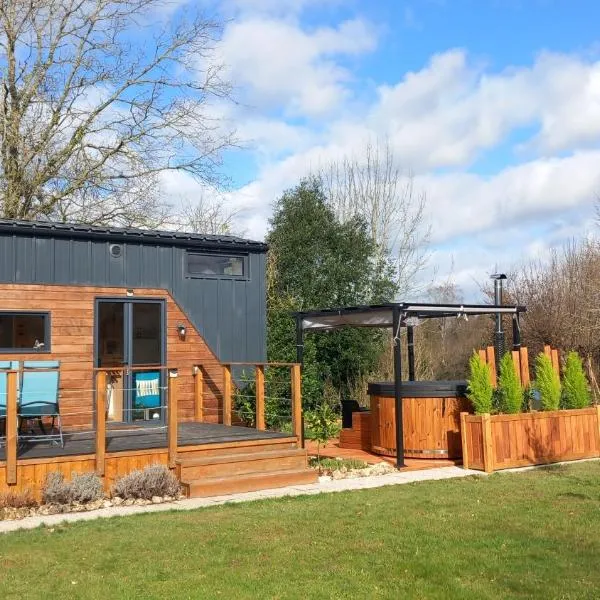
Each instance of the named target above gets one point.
<point>134,305</point>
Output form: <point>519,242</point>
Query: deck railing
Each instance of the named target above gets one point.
<point>99,412</point>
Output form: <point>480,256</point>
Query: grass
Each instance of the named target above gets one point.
<point>529,535</point>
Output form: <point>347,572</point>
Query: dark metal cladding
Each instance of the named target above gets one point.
<point>230,313</point>
<point>420,389</point>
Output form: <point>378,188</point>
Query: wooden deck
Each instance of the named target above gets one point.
<point>143,438</point>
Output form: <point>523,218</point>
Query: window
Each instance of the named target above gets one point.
<point>216,265</point>
<point>24,332</point>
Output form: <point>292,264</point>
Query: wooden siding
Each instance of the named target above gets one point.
<point>357,437</point>
<point>72,342</point>
<point>505,441</point>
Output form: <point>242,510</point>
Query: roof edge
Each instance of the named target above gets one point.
<point>118,234</point>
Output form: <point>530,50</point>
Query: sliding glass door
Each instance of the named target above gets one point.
<point>130,339</point>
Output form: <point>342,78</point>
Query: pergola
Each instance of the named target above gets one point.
<point>396,315</point>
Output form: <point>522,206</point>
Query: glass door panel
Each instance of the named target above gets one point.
<point>111,353</point>
<point>130,335</point>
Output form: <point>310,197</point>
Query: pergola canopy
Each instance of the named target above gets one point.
<point>382,315</point>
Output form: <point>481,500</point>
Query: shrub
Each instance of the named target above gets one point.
<point>511,393</point>
<point>155,480</point>
<point>56,490</point>
<point>480,390</point>
<point>576,391</point>
<point>83,488</point>
<point>323,425</point>
<point>339,464</point>
<point>547,383</point>
<point>22,499</point>
<point>86,487</point>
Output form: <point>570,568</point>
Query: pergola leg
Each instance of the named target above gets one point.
<point>398,388</point>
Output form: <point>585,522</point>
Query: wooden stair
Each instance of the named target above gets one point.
<point>244,468</point>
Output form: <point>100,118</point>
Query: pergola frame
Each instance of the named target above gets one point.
<point>397,315</point>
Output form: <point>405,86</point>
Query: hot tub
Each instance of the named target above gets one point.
<point>431,418</point>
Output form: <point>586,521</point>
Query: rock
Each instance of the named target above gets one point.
<point>338,475</point>
<point>117,501</point>
<point>139,502</point>
<point>129,502</point>
<point>107,503</point>
<point>54,509</point>
<point>168,498</point>
<point>156,499</point>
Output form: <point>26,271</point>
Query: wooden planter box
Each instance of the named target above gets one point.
<point>492,442</point>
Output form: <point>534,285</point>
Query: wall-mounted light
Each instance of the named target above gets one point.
<point>129,293</point>
<point>181,330</point>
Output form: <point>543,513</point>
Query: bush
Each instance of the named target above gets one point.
<point>22,499</point>
<point>509,386</point>
<point>83,488</point>
<point>338,464</point>
<point>86,487</point>
<point>547,383</point>
<point>155,480</point>
<point>576,390</point>
<point>480,390</point>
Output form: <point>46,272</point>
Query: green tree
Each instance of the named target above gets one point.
<point>576,391</point>
<point>480,390</point>
<point>319,262</point>
<point>547,383</point>
<point>509,386</point>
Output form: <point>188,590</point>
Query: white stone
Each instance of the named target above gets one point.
<point>156,499</point>
<point>117,501</point>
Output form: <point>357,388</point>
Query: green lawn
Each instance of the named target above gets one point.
<point>531,535</point>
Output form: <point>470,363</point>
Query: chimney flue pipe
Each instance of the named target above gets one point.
<point>499,330</point>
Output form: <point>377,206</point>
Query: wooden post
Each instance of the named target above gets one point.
<point>172,418</point>
<point>226,395</point>
<point>463,436</point>
<point>260,397</point>
<point>598,428</point>
<point>555,361</point>
<point>524,366</point>
<point>488,443</point>
<point>100,422</point>
<point>491,360</point>
<point>297,402</point>
<point>198,394</point>
<point>517,363</point>
<point>11,428</point>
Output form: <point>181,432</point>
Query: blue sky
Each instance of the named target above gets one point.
<point>492,105</point>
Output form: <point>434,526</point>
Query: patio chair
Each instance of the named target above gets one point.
<point>5,365</point>
<point>146,395</point>
<point>39,399</point>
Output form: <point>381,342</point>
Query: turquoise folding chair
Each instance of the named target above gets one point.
<point>38,399</point>
<point>5,365</point>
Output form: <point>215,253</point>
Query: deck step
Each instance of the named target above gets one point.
<point>250,482</point>
<point>237,464</point>
<point>265,445</point>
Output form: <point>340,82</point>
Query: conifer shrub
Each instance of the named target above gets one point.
<point>509,386</point>
<point>480,390</point>
<point>547,383</point>
<point>575,391</point>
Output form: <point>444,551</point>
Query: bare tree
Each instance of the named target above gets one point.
<point>562,296</point>
<point>373,186</point>
<point>210,216</point>
<point>97,101</point>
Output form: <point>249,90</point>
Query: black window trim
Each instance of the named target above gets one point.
<point>243,255</point>
<point>47,331</point>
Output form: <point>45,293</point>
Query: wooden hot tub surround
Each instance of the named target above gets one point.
<point>431,420</point>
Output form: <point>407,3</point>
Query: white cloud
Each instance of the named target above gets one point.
<point>278,65</point>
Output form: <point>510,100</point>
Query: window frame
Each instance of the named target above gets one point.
<point>243,255</point>
<point>46,316</point>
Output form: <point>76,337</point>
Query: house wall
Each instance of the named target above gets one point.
<point>72,342</point>
<point>229,314</point>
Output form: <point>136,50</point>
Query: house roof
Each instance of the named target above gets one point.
<point>119,234</point>
<point>382,315</point>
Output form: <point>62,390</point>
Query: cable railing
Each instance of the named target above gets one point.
<point>103,408</point>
